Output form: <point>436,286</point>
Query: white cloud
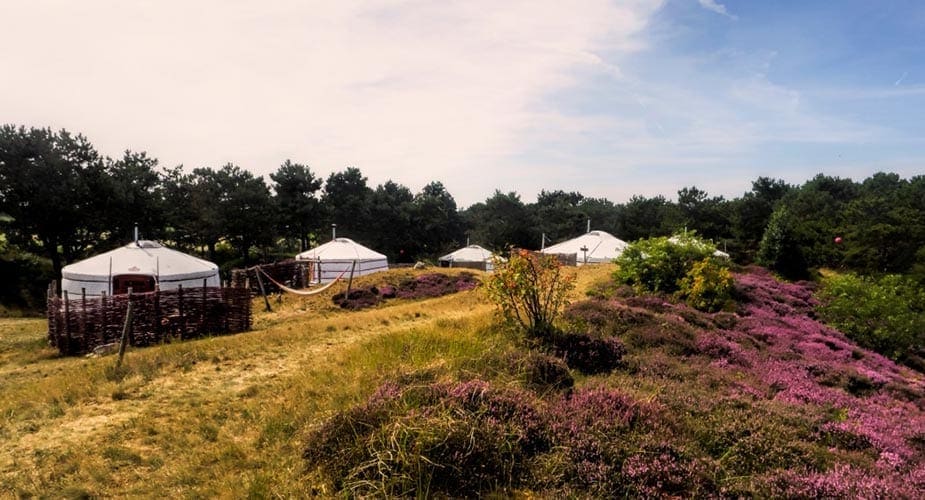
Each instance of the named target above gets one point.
<point>714,6</point>
<point>414,91</point>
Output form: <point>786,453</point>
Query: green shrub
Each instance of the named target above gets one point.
<point>885,314</point>
<point>683,264</point>
<point>530,290</point>
<point>707,285</point>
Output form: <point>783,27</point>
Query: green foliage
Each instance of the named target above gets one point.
<point>683,264</point>
<point>659,264</point>
<point>779,249</point>
<point>885,314</point>
<point>707,285</point>
<point>296,188</point>
<point>530,289</point>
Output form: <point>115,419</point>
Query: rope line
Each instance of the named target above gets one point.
<point>301,292</point>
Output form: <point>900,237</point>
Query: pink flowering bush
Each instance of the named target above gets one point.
<point>761,401</point>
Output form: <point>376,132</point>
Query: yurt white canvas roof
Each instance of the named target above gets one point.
<point>337,256</point>
<point>599,246</point>
<point>140,264</point>
<point>472,256</point>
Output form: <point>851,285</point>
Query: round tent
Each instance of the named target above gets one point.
<point>141,265</point>
<point>472,257</point>
<point>337,256</point>
<point>593,247</point>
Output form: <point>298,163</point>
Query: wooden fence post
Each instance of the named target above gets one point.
<point>180,311</point>
<point>263,291</point>
<point>83,315</point>
<point>67,320</point>
<point>125,329</point>
<point>158,320</point>
<point>202,313</point>
<point>104,317</point>
<point>350,281</point>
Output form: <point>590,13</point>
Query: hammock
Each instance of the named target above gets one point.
<point>300,292</point>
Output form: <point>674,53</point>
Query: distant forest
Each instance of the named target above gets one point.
<point>60,201</point>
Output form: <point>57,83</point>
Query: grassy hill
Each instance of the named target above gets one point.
<point>422,396</point>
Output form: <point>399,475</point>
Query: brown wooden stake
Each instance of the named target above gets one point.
<point>125,329</point>
<point>202,314</point>
<point>180,311</point>
<point>350,280</point>
<point>263,290</point>
<point>67,320</point>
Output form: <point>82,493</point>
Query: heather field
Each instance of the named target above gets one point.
<point>419,395</point>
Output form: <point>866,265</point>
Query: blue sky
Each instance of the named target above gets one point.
<point>603,97</point>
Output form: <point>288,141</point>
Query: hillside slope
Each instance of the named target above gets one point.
<point>760,401</point>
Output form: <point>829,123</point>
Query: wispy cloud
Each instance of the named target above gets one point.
<point>713,5</point>
<point>414,91</point>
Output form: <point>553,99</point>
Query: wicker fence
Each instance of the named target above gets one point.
<point>292,273</point>
<point>78,325</point>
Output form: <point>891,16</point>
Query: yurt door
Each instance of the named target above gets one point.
<point>139,283</point>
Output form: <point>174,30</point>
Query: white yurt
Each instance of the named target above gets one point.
<point>593,247</point>
<point>471,257</point>
<point>336,257</point>
<point>141,265</point>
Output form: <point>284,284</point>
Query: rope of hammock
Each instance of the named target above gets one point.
<point>300,292</point>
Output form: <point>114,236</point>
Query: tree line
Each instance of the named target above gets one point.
<point>62,200</point>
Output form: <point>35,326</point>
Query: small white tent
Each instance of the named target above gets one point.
<point>140,265</point>
<point>472,257</point>
<point>593,247</point>
<point>337,257</point>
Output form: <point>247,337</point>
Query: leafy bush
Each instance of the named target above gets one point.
<point>530,289</point>
<point>707,286</point>
<point>885,314</point>
<point>683,264</point>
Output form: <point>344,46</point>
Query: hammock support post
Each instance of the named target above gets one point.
<point>350,280</point>
<point>263,290</point>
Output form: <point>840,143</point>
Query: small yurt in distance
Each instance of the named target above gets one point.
<point>471,257</point>
<point>141,265</point>
<point>593,247</point>
<point>336,257</point>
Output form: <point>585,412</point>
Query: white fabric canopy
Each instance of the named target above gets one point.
<point>338,255</point>
<point>169,268</point>
<point>593,247</point>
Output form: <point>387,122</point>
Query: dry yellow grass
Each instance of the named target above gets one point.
<point>223,416</point>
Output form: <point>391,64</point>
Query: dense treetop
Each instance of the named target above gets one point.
<point>61,199</point>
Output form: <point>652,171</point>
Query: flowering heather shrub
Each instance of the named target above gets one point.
<point>605,318</point>
<point>420,287</point>
<point>544,373</point>
<point>435,285</point>
<point>588,354</point>
<point>432,439</point>
<point>842,481</point>
<point>719,348</point>
<point>661,470</point>
<point>597,429</point>
<point>676,338</point>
